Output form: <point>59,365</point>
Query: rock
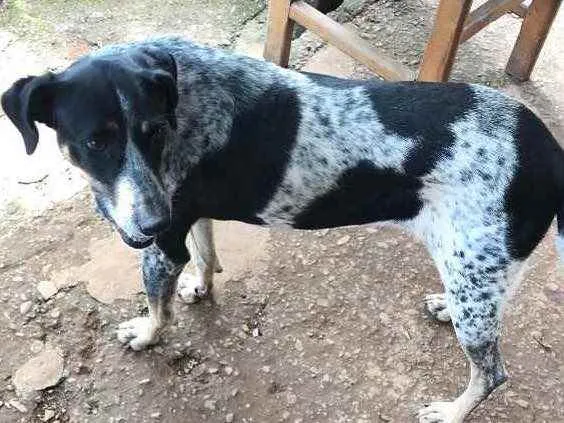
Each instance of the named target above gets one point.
<point>155,415</point>
<point>256,332</point>
<point>18,406</point>
<point>25,307</point>
<point>213,370</point>
<point>343,240</point>
<point>40,372</point>
<point>299,346</point>
<point>229,418</point>
<point>48,415</point>
<point>47,289</point>
<point>228,371</point>
<point>144,381</point>
<point>56,313</point>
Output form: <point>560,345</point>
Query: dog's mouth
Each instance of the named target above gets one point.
<point>138,242</point>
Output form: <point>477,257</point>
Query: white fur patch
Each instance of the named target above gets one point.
<point>124,204</point>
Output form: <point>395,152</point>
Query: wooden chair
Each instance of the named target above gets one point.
<point>454,24</point>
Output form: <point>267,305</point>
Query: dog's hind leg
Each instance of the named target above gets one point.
<point>163,262</point>
<point>193,286</point>
<point>476,288</point>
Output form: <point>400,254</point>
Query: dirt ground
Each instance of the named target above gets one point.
<point>323,326</point>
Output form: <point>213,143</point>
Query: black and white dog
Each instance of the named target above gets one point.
<point>173,134</point>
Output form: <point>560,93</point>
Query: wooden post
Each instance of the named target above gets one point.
<point>278,33</point>
<point>534,30</point>
<point>442,46</point>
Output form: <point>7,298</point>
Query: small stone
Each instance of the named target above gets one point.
<point>234,392</point>
<point>25,307</point>
<point>266,369</point>
<point>285,415</point>
<point>256,332</point>
<point>48,415</point>
<point>36,346</point>
<point>299,346</point>
<point>522,403</point>
<point>291,398</point>
<point>56,313</point>
<point>210,404</point>
<point>228,371</point>
<point>144,381</point>
<point>47,289</point>
<point>229,417</point>
<point>155,415</point>
<point>213,370</point>
<point>18,406</point>
<point>343,240</point>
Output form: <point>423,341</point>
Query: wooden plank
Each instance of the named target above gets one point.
<point>484,15</point>
<point>348,42</point>
<point>441,49</point>
<point>278,33</point>
<point>534,31</point>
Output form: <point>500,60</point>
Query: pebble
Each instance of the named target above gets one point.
<point>229,418</point>
<point>522,403</point>
<point>48,415</point>
<point>25,307</point>
<point>47,289</point>
<point>210,404</point>
<point>228,370</point>
<point>18,406</point>
<point>343,240</point>
<point>155,415</point>
<point>213,370</point>
<point>299,346</point>
<point>144,381</point>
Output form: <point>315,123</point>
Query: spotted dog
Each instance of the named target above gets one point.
<point>173,134</point>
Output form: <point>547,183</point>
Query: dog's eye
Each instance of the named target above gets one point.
<point>95,144</point>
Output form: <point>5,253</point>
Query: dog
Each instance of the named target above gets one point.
<point>172,134</point>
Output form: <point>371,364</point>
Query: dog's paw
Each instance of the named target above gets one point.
<point>437,308</point>
<point>191,288</point>
<point>439,412</point>
<point>137,333</point>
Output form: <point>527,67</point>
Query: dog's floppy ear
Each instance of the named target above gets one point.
<point>160,75</point>
<point>30,100</point>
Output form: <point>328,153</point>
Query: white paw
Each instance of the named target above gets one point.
<point>191,287</point>
<point>439,412</point>
<point>436,306</point>
<point>137,333</point>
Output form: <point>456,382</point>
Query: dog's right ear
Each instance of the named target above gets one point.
<point>30,100</point>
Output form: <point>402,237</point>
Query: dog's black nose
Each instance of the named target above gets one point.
<point>151,226</point>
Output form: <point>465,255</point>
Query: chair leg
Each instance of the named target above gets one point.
<point>279,32</point>
<point>534,31</point>
<point>443,44</point>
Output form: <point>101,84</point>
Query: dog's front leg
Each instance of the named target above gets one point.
<point>193,286</point>
<point>162,263</point>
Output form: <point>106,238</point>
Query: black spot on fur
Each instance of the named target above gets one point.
<point>363,194</point>
<point>537,190</point>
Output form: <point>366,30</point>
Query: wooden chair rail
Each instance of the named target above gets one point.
<point>350,43</point>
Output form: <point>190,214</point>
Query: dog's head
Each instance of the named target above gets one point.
<point>113,114</point>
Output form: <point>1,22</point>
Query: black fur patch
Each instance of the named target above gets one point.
<point>363,194</point>
<point>423,112</point>
<point>238,181</point>
<point>537,190</point>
